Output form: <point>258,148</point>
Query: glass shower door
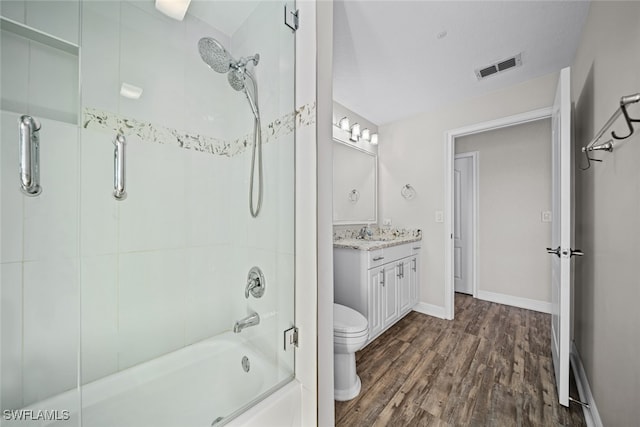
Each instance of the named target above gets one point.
<point>169,336</point>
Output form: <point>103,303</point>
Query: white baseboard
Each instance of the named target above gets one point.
<point>591,414</point>
<point>529,304</point>
<point>429,309</point>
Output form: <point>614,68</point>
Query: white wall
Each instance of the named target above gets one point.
<point>411,151</point>
<point>514,165</point>
<point>607,287</point>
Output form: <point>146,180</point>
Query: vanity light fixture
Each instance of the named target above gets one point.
<point>374,139</point>
<point>366,134</point>
<point>355,132</point>
<point>175,9</point>
<point>344,124</point>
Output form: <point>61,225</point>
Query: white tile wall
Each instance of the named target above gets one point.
<point>58,18</point>
<point>99,278</point>
<point>15,51</point>
<point>51,219</point>
<point>13,9</point>
<point>156,64</point>
<point>209,288</point>
<point>151,303</point>
<point>12,210</point>
<point>263,230</point>
<point>51,328</point>
<point>11,330</point>
<point>285,181</point>
<point>98,209</point>
<point>101,54</point>
<point>154,214</point>
<point>53,83</point>
<point>207,194</point>
<point>238,202</point>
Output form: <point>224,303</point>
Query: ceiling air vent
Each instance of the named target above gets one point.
<point>498,67</point>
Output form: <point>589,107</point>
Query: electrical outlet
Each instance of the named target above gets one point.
<point>386,222</point>
<point>546,216</point>
<point>439,216</point>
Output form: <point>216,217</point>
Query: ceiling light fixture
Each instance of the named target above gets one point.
<point>175,9</point>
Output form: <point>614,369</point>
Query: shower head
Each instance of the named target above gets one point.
<point>236,79</point>
<point>215,55</point>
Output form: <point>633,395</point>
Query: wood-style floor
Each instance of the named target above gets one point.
<point>491,366</point>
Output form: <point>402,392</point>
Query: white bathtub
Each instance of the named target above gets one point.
<point>192,386</point>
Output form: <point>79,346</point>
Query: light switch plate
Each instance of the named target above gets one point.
<point>439,216</point>
<point>546,216</point>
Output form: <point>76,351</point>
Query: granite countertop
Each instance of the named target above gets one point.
<point>368,245</point>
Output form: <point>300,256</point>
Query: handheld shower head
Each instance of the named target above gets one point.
<point>236,79</point>
<point>215,55</point>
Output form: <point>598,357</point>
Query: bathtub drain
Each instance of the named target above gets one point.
<point>245,364</point>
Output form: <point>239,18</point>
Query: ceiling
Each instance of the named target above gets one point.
<point>391,60</point>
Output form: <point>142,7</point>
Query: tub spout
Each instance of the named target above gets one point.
<point>251,320</point>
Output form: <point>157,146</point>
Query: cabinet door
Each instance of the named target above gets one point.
<point>390,294</point>
<point>376,284</point>
<point>404,285</point>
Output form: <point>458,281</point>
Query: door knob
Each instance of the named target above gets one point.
<point>576,252</point>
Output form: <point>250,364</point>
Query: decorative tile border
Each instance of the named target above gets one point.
<point>112,122</point>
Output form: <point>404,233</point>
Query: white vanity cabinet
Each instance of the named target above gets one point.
<point>381,283</point>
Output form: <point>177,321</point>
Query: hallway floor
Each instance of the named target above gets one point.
<point>491,366</point>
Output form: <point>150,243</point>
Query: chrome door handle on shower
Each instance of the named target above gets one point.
<point>29,142</point>
<point>119,191</point>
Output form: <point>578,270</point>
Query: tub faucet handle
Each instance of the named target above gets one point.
<point>255,283</point>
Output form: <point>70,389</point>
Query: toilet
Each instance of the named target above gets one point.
<point>350,333</point>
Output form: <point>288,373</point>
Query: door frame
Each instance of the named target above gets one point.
<point>475,194</point>
<point>449,155</point>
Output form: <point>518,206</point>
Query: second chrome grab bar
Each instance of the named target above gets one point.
<point>119,191</point>
<point>29,146</point>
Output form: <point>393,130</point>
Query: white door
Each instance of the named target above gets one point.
<point>561,229</point>
<point>463,223</point>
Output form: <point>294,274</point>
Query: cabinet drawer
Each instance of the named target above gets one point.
<point>395,253</point>
<point>376,258</point>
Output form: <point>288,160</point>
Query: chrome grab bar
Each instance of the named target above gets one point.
<point>119,191</point>
<point>29,142</point>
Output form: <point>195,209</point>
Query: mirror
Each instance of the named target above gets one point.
<point>355,179</point>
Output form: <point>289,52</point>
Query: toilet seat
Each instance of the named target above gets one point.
<point>348,323</point>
